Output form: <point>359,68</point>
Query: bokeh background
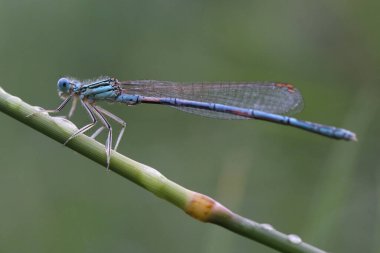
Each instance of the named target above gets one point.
<point>325,191</point>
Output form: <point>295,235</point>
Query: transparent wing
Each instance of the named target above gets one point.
<point>278,98</point>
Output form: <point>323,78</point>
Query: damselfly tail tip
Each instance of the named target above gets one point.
<point>344,134</point>
<point>353,137</point>
<point>350,136</point>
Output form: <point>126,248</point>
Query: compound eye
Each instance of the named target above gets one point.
<point>63,84</point>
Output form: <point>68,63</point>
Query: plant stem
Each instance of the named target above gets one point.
<point>198,206</point>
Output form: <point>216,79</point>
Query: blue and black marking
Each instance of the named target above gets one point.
<point>329,131</point>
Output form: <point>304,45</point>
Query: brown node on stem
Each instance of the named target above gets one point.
<point>200,207</point>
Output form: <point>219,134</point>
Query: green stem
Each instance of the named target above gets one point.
<point>197,205</point>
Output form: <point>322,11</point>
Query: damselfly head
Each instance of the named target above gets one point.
<point>66,86</point>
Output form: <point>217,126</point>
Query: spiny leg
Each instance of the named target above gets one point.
<point>59,108</point>
<point>109,137</point>
<point>73,106</point>
<point>97,132</point>
<point>86,127</point>
<point>118,120</point>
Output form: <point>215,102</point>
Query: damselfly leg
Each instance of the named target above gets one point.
<point>59,108</point>
<point>117,120</point>
<point>86,127</point>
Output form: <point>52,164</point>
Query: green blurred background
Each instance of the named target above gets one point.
<point>326,191</point>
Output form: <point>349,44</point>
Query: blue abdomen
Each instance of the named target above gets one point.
<point>127,99</point>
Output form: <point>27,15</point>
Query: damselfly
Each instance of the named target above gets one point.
<point>223,100</point>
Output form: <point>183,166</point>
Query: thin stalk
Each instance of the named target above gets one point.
<point>197,205</point>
